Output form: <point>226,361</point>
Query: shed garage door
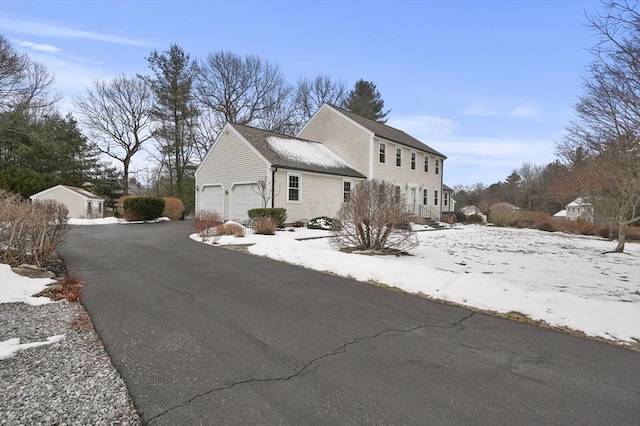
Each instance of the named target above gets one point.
<point>241,199</point>
<point>212,199</point>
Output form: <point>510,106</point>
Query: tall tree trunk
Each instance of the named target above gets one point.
<point>125,175</point>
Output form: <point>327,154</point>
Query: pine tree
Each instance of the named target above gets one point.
<point>366,101</point>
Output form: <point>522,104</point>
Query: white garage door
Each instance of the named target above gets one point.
<point>241,199</point>
<point>212,199</point>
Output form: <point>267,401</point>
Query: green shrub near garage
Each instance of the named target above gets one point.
<point>278,214</point>
<point>143,208</point>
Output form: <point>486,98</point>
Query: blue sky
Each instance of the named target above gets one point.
<point>491,84</point>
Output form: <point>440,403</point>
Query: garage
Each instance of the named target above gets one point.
<point>243,197</point>
<point>212,199</point>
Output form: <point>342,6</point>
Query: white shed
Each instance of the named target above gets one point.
<point>81,203</point>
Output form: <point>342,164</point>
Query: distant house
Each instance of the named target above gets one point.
<point>312,174</point>
<point>561,215</point>
<point>81,203</point>
<point>579,209</point>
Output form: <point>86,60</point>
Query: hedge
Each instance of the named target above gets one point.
<point>143,208</point>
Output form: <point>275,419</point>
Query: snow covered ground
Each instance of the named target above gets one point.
<point>564,280</point>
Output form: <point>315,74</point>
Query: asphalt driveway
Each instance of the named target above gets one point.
<point>206,335</point>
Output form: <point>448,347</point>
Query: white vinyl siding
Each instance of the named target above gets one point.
<point>230,161</point>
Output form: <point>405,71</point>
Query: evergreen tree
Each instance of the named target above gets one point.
<point>175,113</point>
<point>366,101</point>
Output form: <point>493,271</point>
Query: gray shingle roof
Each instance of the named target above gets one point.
<point>387,132</point>
<point>270,145</point>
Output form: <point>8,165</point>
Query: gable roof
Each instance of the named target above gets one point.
<point>78,191</point>
<point>579,202</point>
<point>293,153</point>
<point>387,132</point>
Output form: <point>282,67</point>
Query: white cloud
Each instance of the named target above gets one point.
<point>25,25</point>
<point>37,46</point>
<point>521,111</point>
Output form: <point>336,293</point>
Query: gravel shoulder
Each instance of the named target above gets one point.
<point>71,382</point>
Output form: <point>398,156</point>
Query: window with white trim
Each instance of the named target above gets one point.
<point>425,197</point>
<point>382,153</point>
<point>437,166</point>
<point>413,160</point>
<point>397,194</point>
<point>346,190</point>
<point>293,187</point>
<point>398,157</point>
<point>445,199</point>
<point>435,197</point>
<point>426,163</point>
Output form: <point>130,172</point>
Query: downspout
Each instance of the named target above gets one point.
<point>441,188</point>
<point>274,169</point>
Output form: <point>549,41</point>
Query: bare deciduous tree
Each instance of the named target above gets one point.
<point>118,115</point>
<point>603,146</point>
<point>244,90</point>
<point>375,219</point>
<point>264,189</point>
<point>311,94</point>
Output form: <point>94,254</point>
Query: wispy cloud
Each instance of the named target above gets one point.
<point>24,25</point>
<point>521,111</point>
<point>37,46</point>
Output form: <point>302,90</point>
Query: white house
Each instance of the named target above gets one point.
<point>579,209</point>
<point>81,203</point>
<point>310,175</point>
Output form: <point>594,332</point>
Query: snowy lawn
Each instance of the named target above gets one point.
<point>564,280</point>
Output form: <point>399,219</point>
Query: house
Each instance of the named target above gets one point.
<point>312,174</point>
<point>448,203</point>
<point>81,203</point>
<point>579,209</point>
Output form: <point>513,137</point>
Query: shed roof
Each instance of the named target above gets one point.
<point>294,153</point>
<point>78,191</point>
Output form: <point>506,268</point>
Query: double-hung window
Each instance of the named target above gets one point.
<point>413,160</point>
<point>435,197</point>
<point>346,190</point>
<point>398,157</point>
<point>445,198</point>
<point>382,153</point>
<point>425,197</point>
<point>437,166</point>
<point>426,163</point>
<point>293,187</point>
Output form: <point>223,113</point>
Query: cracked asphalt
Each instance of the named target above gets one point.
<point>205,335</point>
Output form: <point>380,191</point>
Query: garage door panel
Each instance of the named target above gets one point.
<point>242,198</point>
<point>212,199</point>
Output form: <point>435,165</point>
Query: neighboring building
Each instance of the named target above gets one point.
<point>448,203</point>
<point>312,174</point>
<point>579,209</point>
<point>81,203</point>
<point>561,215</point>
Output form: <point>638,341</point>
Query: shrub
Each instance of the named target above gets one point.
<point>70,289</point>
<point>501,214</point>
<point>120,205</point>
<point>321,222</point>
<point>230,228</point>
<point>173,208</point>
<point>547,226</point>
<point>278,214</point>
<point>205,222</point>
<point>369,218</point>
<point>633,233</point>
<point>30,232</point>
<point>265,226</point>
<point>474,218</point>
<point>460,217</point>
<point>143,208</point>
<point>524,219</point>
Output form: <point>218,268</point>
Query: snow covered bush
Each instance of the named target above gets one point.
<point>30,232</point>
<point>230,228</point>
<point>370,220</point>
<point>321,222</point>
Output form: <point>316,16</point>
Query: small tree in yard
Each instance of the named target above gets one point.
<point>374,219</point>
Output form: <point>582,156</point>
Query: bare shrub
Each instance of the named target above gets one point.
<point>501,214</point>
<point>173,208</point>
<point>30,232</point>
<point>205,222</point>
<point>522,218</point>
<point>230,228</point>
<point>370,220</point>
<point>70,289</point>
<point>265,226</point>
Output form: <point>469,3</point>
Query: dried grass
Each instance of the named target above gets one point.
<point>265,226</point>
<point>206,222</point>
<point>69,289</point>
<point>173,208</point>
